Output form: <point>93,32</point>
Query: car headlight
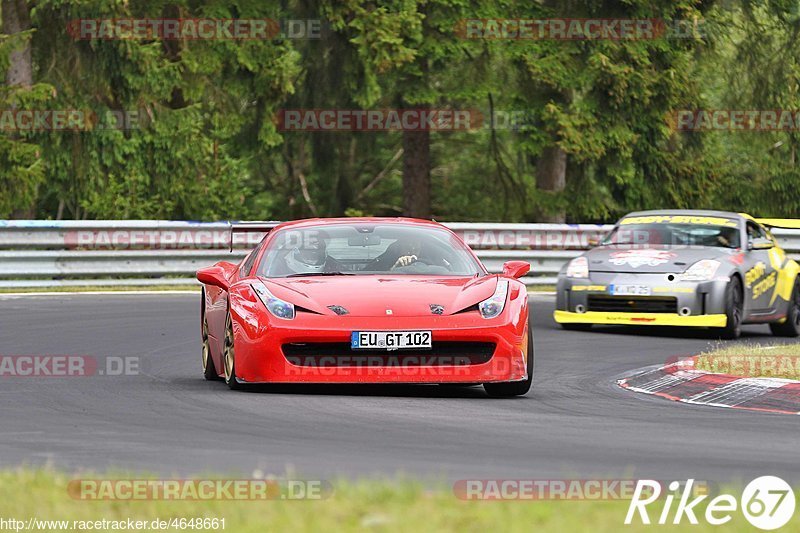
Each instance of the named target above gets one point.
<point>274,305</point>
<point>492,307</point>
<point>578,268</point>
<point>703,270</point>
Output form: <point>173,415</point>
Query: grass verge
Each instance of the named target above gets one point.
<point>389,505</point>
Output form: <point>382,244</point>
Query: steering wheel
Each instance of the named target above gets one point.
<point>411,264</point>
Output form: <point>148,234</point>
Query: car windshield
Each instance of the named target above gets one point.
<point>669,234</point>
<point>366,248</point>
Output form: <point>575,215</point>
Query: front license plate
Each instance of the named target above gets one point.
<point>390,340</point>
<point>630,290</point>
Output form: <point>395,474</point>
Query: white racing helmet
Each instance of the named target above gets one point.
<point>302,263</point>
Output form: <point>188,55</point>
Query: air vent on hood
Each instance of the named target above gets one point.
<point>338,309</point>
<point>437,309</point>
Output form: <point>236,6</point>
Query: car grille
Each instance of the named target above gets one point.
<point>334,354</point>
<point>633,304</point>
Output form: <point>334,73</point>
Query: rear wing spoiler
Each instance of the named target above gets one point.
<point>250,227</point>
<point>783,223</point>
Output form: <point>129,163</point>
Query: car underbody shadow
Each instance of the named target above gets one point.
<point>748,331</point>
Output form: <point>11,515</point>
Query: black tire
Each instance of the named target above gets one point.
<point>229,356</point>
<point>514,388</point>
<point>734,309</point>
<point>576,326</point>
<point>791,326</point>
<point>209,370</point>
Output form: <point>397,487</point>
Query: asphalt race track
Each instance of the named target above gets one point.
<point>574,424</point>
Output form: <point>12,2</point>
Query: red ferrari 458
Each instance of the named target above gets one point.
<point>365,300</point>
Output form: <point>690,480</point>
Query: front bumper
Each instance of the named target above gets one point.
<point>260,356</point>
<point>697,304</point>
<point>640,319</point>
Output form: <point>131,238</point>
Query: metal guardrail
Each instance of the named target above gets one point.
<point>36,253</point>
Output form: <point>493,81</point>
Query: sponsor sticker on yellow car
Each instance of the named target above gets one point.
<point>681,219</point>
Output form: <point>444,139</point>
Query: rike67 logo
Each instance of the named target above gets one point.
<point>767,503</point>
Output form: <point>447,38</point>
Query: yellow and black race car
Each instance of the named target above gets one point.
<point>684,268</point>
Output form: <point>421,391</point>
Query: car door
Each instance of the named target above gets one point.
<point>761,274</point>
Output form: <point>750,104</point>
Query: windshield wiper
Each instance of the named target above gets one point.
<point>300,274</point>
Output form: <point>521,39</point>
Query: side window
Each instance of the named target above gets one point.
<point>754,231</point>
<point>247,266</point>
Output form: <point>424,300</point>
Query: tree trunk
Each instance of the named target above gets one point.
<point>417,173</point>
<point>551,177</point>
<point>345,168</point>
<point>16,19</point>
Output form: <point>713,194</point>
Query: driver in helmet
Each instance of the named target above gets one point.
<point>311,256</point>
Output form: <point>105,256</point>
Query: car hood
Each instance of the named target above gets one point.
<point>652,259</point>
<point>374,295</point>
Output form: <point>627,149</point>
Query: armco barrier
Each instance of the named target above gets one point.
<point>156,252</point>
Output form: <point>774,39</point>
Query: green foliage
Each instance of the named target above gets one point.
<point>205,142</point>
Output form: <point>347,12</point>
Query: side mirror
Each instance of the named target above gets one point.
<point>516,269</point>
<point>760,243</point>
<point>215,276</point>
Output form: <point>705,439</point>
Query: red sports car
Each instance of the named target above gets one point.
<point>365,300</point>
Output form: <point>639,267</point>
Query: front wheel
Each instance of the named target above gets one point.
<point>209,370</point>
<point>229,356</point>
<point>514,388</point>
<point>734,309</point>
<point>791,326</point>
